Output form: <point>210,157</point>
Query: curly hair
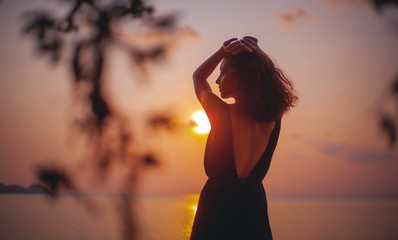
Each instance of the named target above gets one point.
<point>263,90</point>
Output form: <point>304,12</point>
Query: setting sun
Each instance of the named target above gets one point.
<point>202,122</point>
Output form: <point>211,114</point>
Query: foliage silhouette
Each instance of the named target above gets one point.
<point>388,122</point>
<point>87,32</point>
<point>379,5</point>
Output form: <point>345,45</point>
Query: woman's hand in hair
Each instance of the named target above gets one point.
<point>234,46</point>
<point>250,43</point>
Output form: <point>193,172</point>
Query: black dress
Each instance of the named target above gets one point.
<point>229,207</point>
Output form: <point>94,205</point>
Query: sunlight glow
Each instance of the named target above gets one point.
<point>194,208</point>
<point>202,122</point>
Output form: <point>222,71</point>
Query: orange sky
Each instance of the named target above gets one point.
<point>340,56</point>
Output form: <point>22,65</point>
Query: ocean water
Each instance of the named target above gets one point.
<point>170,218</point>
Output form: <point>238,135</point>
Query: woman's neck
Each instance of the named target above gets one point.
<point>238,110</point>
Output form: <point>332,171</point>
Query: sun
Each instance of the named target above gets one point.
<point>201,121</point>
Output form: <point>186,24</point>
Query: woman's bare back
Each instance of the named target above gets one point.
<point>250,139</point>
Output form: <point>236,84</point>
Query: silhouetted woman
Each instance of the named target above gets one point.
<point>242,140</point>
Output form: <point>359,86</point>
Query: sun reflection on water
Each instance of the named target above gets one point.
<point>191,206</point>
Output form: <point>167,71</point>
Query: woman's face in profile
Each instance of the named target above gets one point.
<point>228,83</point>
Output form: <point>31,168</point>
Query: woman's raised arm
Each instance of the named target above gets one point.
<point>207,67</point>
<point>203,72</point>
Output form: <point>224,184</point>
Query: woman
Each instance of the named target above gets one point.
<point>240,145</point>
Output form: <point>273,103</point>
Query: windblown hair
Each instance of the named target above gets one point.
<point>264,91</point>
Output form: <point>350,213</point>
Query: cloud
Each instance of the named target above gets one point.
<point>290,16</point>
<point>364,155</point>
<point>188,32</point>
<point>350,152</point>
<point>329,148</point>
<point>296,155</point>
<point>355,3</point>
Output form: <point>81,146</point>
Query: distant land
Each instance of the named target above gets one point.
<point>16,189</point>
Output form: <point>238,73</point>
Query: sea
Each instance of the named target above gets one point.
<point>171,217</point>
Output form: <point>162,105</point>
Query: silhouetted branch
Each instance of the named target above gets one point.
<point>54,179</point>
<point>382,4</point>
<point>388,122</point>
<point>162,121</point>
<point>149,160</point>
<point>388,126</point>
<point>42,26</point>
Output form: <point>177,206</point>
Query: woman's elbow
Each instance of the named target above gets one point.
<point>195,75</point>
<point>198,76</point>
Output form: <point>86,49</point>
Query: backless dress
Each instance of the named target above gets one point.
<point>230,207</point>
